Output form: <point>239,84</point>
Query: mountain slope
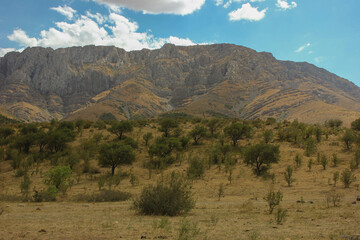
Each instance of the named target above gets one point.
<point>222,79</point>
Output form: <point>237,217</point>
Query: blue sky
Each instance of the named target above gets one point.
<point>322,32</point>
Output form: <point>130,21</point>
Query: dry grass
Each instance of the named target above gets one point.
<point>241,214</point>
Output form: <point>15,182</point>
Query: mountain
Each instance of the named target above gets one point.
<point>209,80</point>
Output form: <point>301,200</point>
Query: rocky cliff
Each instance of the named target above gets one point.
<point>214,80</point>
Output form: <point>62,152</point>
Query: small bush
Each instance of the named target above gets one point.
<point>280,216</point>
<point>45,196</point>
<point>288,174</point>
<point>298,160</point>
<point>273,199</point>
<point>324,161</point>
<point>169,198</point>
<point>347,177</point>
<point>196,168</point>
<point>333,198</point>
<point>335,160</point>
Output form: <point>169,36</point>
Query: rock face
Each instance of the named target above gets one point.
<point>40,84</point>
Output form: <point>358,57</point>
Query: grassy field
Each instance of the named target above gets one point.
<point>242,213</point>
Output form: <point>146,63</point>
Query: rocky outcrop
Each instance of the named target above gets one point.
<point>59,83</point>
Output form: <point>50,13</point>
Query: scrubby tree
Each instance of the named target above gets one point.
<point>160,151</point>
<point>115,154</point>
<point>347,177</point>
<point>5,132</point>
<point>268,135</point>
<point>273,199</point>
<point>355,125</point>
<point>334,123</point>
<point>237,131</point>
<point>59,138</point>
<point>213,124</point>
<point>147,137</point>
<point>349,138</point>
<point>166,125</point>
<point>261,156</point>
<point>59,177</point>
<point>119,128</point>
<point>197,133</point>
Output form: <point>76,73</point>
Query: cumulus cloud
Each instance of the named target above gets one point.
<point>66,11</point>
<point>300,49</point>
<point>179,7</point>
<point>247,12</point>
<point>98,17</point>
<point>229,2</point>
<point>95,29</point>
<point>284,5</point>
<point>4,51</point>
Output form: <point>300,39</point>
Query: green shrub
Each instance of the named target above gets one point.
<point>324,161</point>
<point>170,198</point>
<point>48,195</point>
<point>280,216</point>
<point>59,177</point>
<point>273,199</point>
<point>196,168</point>
<point>298,160</point>
<point>347,177</point>
<point>288,174</point>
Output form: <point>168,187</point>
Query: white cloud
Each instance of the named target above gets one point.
<point>284,5</point>
<point>66,11</point>
<point>300,49</point>
<point>98,17</point>
<point>21,37</point>
<point>229,2</point>
<point>86,30</point>
<point>247,12</point>
<point>4,51</point>
<point>179,7</point>
<point>219,2</point>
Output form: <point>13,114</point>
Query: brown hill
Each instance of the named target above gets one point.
<point>213,80</point>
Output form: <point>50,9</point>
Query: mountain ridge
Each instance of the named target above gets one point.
<point>84,82</point>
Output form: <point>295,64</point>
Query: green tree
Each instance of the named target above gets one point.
<point>6,132</point>
<point>147,137</point>
<point>115,154</point>
<point>355,125</point>
<point>59,138</point>
<point>268,135</point>
<point>349,138</point>
<point>261,156</point>
<point>237,131</point>
<point>213,124</point>
<point>59,177</point>
<point>119,128</point>
<point>166,125</point>
<point>197,133</point>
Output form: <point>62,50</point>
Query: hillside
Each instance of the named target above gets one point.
<point>214,80</point>
<point>37,211</point>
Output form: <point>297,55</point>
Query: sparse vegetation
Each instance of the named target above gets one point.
<point>168,197</point>
<point>209,168</point>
